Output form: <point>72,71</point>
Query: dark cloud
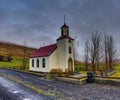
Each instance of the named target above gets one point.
<point>38,21</point>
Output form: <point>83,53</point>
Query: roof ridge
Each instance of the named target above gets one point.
<point>44,51</point>
<point>48,45</point>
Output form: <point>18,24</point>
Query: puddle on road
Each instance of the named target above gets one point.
<point>15,91</point>
<point>26,99</point>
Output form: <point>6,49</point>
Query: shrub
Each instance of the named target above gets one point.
<point>48,76</point>
<point>56,71</point>
<point>66,70</point>
<point>64,74</point>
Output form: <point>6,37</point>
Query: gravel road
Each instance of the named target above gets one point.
<point>10,90</point>
<point>62,90</point>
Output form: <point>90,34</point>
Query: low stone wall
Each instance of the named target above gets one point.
<point>71,80</point>
<point>111,72</point>
<point>107,81</point>
<point>107,73</point>
<point>83,81</point>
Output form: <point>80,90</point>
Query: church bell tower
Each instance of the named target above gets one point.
<point>64,29</point>
<point>65,49</point>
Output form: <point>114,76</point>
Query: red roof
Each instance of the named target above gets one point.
<point>44,51</point>
<point>64,36</point>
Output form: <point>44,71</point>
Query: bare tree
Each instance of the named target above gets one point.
<point>24,55</point>
<point>96,47</point>
<point>95,50</point>
<point>76,46</point>
<point>110,51</point>
<point>86,55</point>
<point>106,50</point>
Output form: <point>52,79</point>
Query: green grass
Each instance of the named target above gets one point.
<point>79,67</point>
<point>16,63</point>
<point>118,68</point>
<point>117,74</point>
<point>83,72</point>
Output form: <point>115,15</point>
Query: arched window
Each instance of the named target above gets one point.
<point>62,32</point>
<point>67,32</point>
<point>70,65</point>
<point>37,62</point>
<point>69,40</point>
<point>70,51</point>
<point>32,62</point>
<point>43,62</point>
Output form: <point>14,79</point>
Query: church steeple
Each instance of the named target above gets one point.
<point>64,19</point>
<point>64,29</point>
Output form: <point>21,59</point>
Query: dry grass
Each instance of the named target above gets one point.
<point>14,50</point>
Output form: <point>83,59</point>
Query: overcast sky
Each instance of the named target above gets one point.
<point>39,21</point>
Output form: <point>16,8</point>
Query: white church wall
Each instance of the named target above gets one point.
<point>68,55</point>
<point>40,68</point>
<point>53,60</point>
<point>62,53</point>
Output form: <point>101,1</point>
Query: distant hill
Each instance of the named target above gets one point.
<point>117,61</point>
<point>79,62</point>
<point>14,50</point>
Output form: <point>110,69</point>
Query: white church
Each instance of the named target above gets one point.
<point>55,56</point>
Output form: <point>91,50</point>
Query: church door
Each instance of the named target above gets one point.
<point>70,65</point>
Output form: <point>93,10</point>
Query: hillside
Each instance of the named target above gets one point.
<point>14,50</point>
<point>117,61</point>
<point>79,62</point>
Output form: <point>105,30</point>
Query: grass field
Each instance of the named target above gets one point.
<point>16,63</point>
<point>79,67</point>
<point>117,74</point>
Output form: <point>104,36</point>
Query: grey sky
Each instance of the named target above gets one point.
<point>39,21</point>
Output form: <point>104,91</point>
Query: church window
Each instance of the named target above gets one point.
<point>62,32</point>
<point>69,41</point>
<point>43,62</point>
<point>32,62</point>
<point>37,62</point>
<point>70,51</point>
<point>67,32</point>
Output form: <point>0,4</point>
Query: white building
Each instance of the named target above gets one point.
<point>55,56</point>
